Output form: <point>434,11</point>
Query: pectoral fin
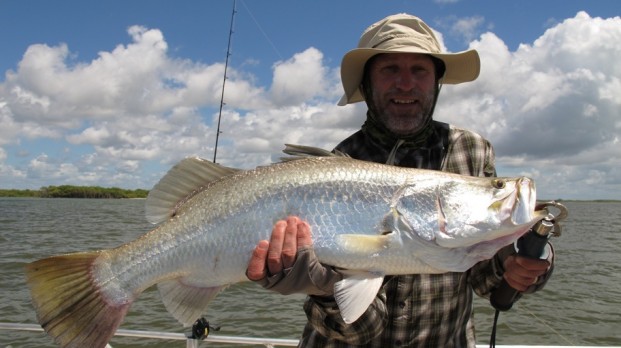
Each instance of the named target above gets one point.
<point>363,243</point>
<point>355,293</point>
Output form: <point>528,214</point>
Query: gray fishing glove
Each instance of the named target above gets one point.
<point>307,276</point>
<point>509,250</point>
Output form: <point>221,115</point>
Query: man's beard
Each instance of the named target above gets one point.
<point>406,124</point>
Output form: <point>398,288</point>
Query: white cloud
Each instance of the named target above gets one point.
<point>550,102</point>
<point>467,27</point>
<point>464,28</point>
<point>550,107</point>
<point>299,79</point>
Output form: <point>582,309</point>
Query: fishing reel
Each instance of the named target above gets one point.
<point>201,329</point>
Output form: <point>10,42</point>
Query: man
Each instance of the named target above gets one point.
<point>398,69</point>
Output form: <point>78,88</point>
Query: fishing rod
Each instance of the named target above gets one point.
<point>226,65</point>
<point>531,245</point>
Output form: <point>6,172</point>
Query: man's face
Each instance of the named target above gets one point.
<point>403,90</point>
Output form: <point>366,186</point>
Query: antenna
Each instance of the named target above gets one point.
<point>226,65</point>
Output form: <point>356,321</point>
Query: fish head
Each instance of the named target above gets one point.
<point>453,223</point>
<point>471,212</point>
<point>486,209</point>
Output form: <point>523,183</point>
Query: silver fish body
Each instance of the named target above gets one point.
<point>369,219</point>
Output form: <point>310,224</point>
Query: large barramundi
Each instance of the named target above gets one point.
<point>366,218</point>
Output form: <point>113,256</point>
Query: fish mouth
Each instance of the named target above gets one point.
<point>524,202</point>
<point>517,210</point>
<point>516,207</point>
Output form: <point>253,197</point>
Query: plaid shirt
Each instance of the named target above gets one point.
<point>417,310</point>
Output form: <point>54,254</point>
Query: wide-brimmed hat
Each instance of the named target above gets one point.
<point>402,33</point>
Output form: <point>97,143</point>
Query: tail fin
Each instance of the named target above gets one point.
<point>69,305</point>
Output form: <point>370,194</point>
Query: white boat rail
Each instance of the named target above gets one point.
<point>267,342</point>
<point>190,343</point>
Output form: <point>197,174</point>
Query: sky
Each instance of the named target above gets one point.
<point>114,93</point>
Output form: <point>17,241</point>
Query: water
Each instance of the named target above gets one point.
<point>580,306</point>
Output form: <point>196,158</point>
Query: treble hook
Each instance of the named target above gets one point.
<point>554,219</point>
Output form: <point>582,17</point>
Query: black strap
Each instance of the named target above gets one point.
<point>492,339</point>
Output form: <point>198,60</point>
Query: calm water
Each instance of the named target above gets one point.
<point>580,306</point>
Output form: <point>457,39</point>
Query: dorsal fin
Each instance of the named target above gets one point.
<point>303,151</point>
<point>182,181</point>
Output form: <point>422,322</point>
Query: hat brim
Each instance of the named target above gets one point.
<point>460,67</point>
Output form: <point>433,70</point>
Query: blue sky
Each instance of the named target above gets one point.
<point>114,93</point>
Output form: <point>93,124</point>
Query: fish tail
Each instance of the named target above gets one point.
<point>69,304</point>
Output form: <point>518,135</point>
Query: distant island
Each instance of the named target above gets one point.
<point>70,191</point>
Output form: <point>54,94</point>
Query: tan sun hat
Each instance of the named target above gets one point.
<point>397,34</point>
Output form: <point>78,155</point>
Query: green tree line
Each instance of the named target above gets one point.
<point>70,191</point>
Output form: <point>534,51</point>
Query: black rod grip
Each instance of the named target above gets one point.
<point>531,245</point>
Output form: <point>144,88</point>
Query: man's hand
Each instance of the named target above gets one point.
<point>287,263</point>
<point>522,272</point>
<point>270,258</point>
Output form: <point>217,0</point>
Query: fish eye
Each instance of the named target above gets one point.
<point>499,183</point>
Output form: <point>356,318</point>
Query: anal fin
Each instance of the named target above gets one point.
<point>186,302</point>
